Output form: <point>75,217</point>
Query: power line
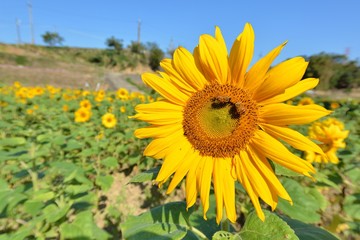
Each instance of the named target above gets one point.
<point>18,31</point>
<point>31,23</point>
<point>138,31</point>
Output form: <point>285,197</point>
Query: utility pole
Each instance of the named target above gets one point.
<point>18,31</point>
<point>138,31</point>
<point>31,23</point>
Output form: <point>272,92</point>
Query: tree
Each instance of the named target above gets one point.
<point>333,70</point>
<point>52,38</point>
<point>155,56</point>
<point>136,47</point>
<point>115,44</point>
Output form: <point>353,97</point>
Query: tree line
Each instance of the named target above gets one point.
<point>336,71</point>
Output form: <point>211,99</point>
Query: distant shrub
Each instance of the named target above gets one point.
<point>21,60</point>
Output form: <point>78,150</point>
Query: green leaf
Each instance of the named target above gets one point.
<point>43,195</point>
<point>73,145</point>
<point>208,227</point>
<point>33,207</point>
<point>305,206</point>
<point>104,182</point>
<point>83,227</point>
<point>354,174</point>
<point>110,162</point>
<point>169,221</point>
<point>44,138</point>
<point>4,185</point>
<point>352,206</point>
<point>88,152</point>
<point>76,189</point>
<point>323,179</point>
<point>12,142</point>
<point>319,197</point>
<point>272,228</point>
<point>223,235</point>
<point>10,199</point>
<point>59,140</point>
<point>307,231</point>
<point>145,176</point>
<point>54,213</point>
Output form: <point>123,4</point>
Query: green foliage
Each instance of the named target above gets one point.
<point>52,38</point>
<point>55,172</point>
<point>334,70</point>
<point>167,221</point>
<point>115,44</point>
<point>155,56</point>
<point>56,177</point>
<point>146,175</point>
<point>307,202</point>
<point>21,60</point>
<point>308,232</point>
<point>272,228</point>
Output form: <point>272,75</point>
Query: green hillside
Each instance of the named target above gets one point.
<point>64,66</point>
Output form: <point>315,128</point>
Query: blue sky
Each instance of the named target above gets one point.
<point>310,26</point>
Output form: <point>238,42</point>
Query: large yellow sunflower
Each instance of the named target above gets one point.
<point>219,123</point>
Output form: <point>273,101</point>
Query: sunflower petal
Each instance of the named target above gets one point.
<point>257,181</point>
<point>173,76</point>
<point>281,114</point>
<point>297,89</point>
<point>274,150</point>
<point>184,64</point>
<point>160,118</point>
<point>203,179</point>
<point>256,75</point>
<point>213,59</point>
<point>190,158</point>
<point>165,88</point>
<point>191,185</point>
<point>158,148</point>
<point>156,131</point>
<point>280,77</point>
<point>219,37</point>
<point>218,176</point>
<point>263,166</point>
<point>173,159</point>
<point>292,137</point>
<point>241,54</point>
<point>158,113</point>
<point>243,179</point>
<point>229,195</point>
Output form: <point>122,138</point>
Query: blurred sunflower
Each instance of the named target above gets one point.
<point>65,108</point>
<point>122,94</point>
<point>85,104</point>
<point>122,109</point>
<point>82,115</point>
<point>108,120</point>
<point>305,101</point>
<point>17,84</point>
<point>29,111</point>
<point>219,123</point>
<point>331,134</point>
<point>334,105</point>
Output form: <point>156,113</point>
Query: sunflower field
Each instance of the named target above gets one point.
<point>62,152</point>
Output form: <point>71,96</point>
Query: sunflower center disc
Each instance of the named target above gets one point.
<point>220,120</point>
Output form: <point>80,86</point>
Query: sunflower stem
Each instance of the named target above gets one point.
<point>198,232</point>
